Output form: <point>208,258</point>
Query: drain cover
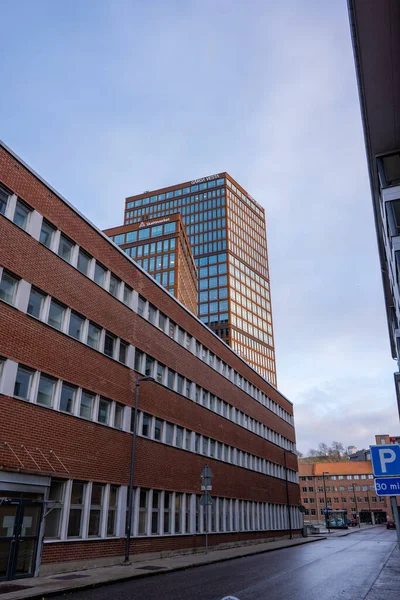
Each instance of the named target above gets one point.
<point>11,587</point>
<point>71,576</point>
<point>152,568</point>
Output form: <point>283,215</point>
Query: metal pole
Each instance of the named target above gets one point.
<point>370,511</point>
<point>395,511</point>
<point>131,476</point>
<point>327,520</point>
<point>357,513</point>
<point>287,497</point>
<point>206,528</point>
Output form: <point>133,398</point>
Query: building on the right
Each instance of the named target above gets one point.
<point>375,31</point>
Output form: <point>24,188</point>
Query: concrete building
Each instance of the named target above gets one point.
<point>226,231</point>
<point>375,30</point>
<point>162,248</point>
<point>346,485</point>
<point>80,324</point>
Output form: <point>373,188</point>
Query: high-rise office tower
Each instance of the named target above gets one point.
<point>226,230</point>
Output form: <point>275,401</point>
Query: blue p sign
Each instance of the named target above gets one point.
<point>386,459</point>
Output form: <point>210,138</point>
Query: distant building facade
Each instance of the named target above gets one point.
<point>343,485</point>
<point>161,247</point>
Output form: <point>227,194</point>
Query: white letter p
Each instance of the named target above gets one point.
<point>386,456</point>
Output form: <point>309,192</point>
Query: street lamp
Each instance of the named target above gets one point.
<point>357,513</point>
<point>287,496</point>
<point>132,470</point>
<point>327,520</point>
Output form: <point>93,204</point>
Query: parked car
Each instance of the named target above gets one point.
<point>390,524</point>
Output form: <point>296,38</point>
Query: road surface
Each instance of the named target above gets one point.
<point>335,569</point>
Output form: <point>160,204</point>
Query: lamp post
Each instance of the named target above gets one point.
<point>357,513</point>
<point>287,496</point>
<point>327,520</point>
<point>132,469</point>
<point>370,511</point>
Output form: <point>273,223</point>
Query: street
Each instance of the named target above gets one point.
<point>339,567</point>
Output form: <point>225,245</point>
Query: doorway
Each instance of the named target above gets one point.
<point>20,520</point>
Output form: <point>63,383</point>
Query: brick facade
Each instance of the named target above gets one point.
<point>47,443</point>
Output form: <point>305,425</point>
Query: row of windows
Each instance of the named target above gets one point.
<point>57,315</point>
<point>249,201</point>
<point>162,513</point>
<point>157,318</point>
<point>59,243</point>
<point>150,367</point>
<point>175,193</point>
<point>153,248</point>
<point>168,433</point>
<point>44,390</point>
<point>145,233</point>
<point>336,477</point>
<point>199,228</point>
<point>166,278</point>
<point>343,500</point>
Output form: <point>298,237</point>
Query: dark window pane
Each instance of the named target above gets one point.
<point>46,234</point>
<point>56,315</point>
<point>65,248</point>
<point>4,195</point>
<point>67,398</point>
<point>46,391</point>
<point>109,342</point>
<point>83,262</point>
<point>146,425</point>
<point>8,287</point>
<point>99,274</point>
<point>22,383</point>
<point>21,214</point>
<point>93,336</point>
<point>86,408</point>
<point>123,350</point>
<point>157,430</point>
<point>35,303</point>
<point>75,326</point>
<point>104,411</point>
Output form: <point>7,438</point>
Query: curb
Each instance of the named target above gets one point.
<point>97,584</point>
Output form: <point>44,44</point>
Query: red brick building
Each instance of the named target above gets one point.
<point>79,322</point>
<point>342,486</point>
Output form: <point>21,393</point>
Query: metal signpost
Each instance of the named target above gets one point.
<point>386,467</point>
<point>206,500</point>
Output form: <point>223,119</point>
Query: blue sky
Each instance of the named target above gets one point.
<point>106,99</point>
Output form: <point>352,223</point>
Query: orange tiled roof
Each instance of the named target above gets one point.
<point>336,468</point>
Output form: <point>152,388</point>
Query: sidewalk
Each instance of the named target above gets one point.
<point>343,532</point>
<point>40,587</point>
<point>387,584</point>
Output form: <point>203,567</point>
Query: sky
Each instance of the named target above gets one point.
<point>108,98</point>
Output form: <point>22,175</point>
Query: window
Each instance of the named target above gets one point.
<point>146,424</point>
<point>35,303</point>
<point>93,339</point>
<point>46,234</point>
<point>172,327</point>
<point>141,306</point>
<point>75,326</point>
<point>158,430</point>
<point>67,400</point>
<point>99,274</point>
<point>169,434</point>
<point>138,360</point>
<point>143,500</point>
<point>152,314</point>
<point>114,285</point>
<point>65,248</point>
<point>149,366</point>
<point>8,287</point>
<point>155,513</point>
<point>123,352</point>
<point>56,315</point>
<point>23,383</point>
<point>103,415</point>
<point>178,512</point>
<point>127,294</point>
<point>87,402</point>
<point>76,509</point>
<point>167,511</point>
<point>162,319</point>
<point>109,344</point>
<point>112,510</point>
<point>53,517</point>
<point>96,502</point>
<point>171,379</point>
<point>21,214</point>
<point>160,372</point>
<point>45,395</point>
<point>119,416</point>
<point>83,262</point>
<point>4,195</point>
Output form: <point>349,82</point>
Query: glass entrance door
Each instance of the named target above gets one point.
<point>19,533</point>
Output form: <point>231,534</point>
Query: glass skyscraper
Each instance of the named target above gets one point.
<point>226,230</point>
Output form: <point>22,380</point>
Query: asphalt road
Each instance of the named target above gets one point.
<point>336,569</point>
